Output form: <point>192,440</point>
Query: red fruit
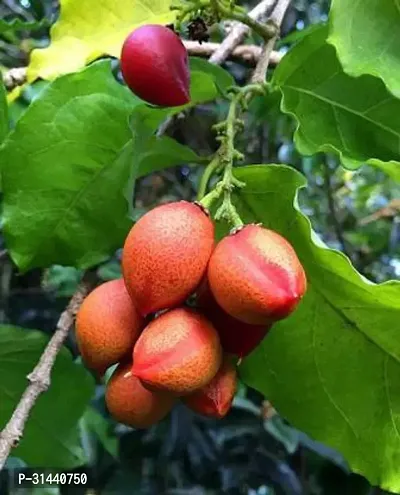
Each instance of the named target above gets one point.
<point>179,352</point>
<point>166,254</point>
<point>255,275</point>
<point>154,64</point>
<point>107,325</point>
<point>131,403</point>
<point>236,337</point>
<point>215,398</point>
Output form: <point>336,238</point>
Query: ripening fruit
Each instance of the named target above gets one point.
<point>107,325</point>
<point>166,254</point>
<point>255,275</point>
<point>179,352</point>
<point>154,64</point>
<point>236,337</point>
<point>215,398</point>
<point>132,404</point>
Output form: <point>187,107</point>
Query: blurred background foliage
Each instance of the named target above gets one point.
<point>253,450</point>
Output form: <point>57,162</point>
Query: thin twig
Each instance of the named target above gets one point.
<point>276,18</point>
<point>333,213</point>
<point>242,53</point>
<point>239,32</point>
<point>39,379</point>
<point>17,9</point>
<point>14,77</point>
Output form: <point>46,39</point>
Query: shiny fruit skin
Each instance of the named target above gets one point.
<point>166,254</point>
<point>107,325</point>
<point>236,337</point>
<point>132,404</point>
<point>215,398</point>
<point>256,276</point>
<point>155,66</point>
<point>178,352</point>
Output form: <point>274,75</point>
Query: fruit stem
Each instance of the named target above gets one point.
<point>217,10</point>
<point>209,171</point>
<point>267,31</point>
<point>226,155</point>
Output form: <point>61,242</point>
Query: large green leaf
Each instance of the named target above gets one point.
<point>333,367</point>
<point>222,78</point>
<point>354,117</point>
<point>3,111</point>
<point>367,38</point>
<point>62,172</point>
<point>51,435</point>
<point>69,159</point>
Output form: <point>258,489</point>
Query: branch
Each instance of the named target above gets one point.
<point>245,53</point>
<point>3,254</point>
<point>14,77</point>
<point>242,53</point>
<point>389,211</point>
<point>239,32</point>
<point>39,379</point>
<point>333,213</point>
<point>276,18</point>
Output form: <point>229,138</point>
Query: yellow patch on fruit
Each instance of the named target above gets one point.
<point>87,30</point>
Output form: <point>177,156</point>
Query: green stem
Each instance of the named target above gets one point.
<point>225,156</point>
<point>267,31</point>
<point>221,10</point>
<point>208,200</point>
<point>207,174</point>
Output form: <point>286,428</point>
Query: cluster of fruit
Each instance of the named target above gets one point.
<point>184,309</point>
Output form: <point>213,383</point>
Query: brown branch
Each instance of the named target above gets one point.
<point>39,379</point>
<point>245,53</point>
<point>276,18</point>
<point>239,32</point>
<point>389,211</point>
<point>14,77</point>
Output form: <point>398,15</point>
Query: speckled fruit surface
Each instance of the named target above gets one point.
<point>256,276</point>
<point>154,65</point>
<point>166,254</point>
<point>107,325</point>
<point>236,337</point>
<point>215,398</point>
<point>179,352</point>
<point>131,403</point>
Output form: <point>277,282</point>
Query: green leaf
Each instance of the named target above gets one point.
<point>98,425</point>
<point>155,154</point>
<point>222,78</point>
<point>3,111</point>
<point>71,158</point>
<point>165,152</point>
<point>152,153</point>
<point>366,36</point>
<point>51,436</point>
<point>87,30</point>
<point>356,118</point>
<point>63,174</point>
<point>392,169</point>
<point>332,369</point>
